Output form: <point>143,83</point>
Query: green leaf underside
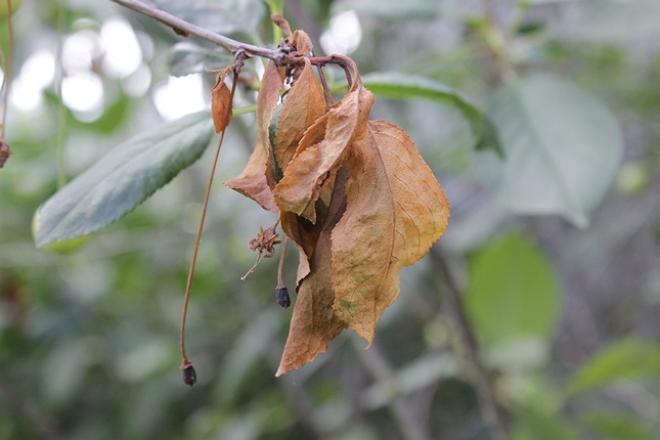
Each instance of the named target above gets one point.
<point>609,21</point>
<point>512,292</point>
<point>404,86</point>
<point>561,147</point>
<point>625,360</point>
<point>188,57</point>
<point>224,17</point>
<point>122,179</point>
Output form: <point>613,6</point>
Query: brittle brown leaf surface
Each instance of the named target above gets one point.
<point>252,182</point>
<point>221,105</point>
<point>257,179</point>
<point>395,210</point>
<point>314,323</point>
<point>302,106</point>
<point>301,41</point>
<point>311,165</point>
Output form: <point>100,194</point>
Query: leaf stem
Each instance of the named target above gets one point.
<point>185,361</point>
<point>280,264</point>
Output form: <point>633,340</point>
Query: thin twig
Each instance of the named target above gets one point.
<point>61,110</point>
<point>279,55</point>
<point>183,27</point>
<point>376,364</point>
<point>8,68</point>
<point>487,401</point>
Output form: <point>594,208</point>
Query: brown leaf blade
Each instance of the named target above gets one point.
<point>314,323</point>
<point>257,179</point>
<point>252,182</point>
<point>221,105</point>
<point>312,164</point>
<point>303,105</point>
<point>395,210</point>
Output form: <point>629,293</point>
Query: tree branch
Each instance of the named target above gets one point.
<point>490,411</point>
<point>185,28</point>
<point>378,367</point>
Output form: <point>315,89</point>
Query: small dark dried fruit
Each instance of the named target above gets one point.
<point>189,373</point>
<point>282,297</point>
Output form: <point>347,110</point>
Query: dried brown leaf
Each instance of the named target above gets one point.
<point>312,164</point>
<point>252,181</point>
<point>221,105</point>
<point>395,210</point>
<point>301,41</point>
<point>303,105</point>
<point>258,177</point>
<point>314,323</point>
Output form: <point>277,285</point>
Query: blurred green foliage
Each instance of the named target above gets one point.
<point>566,317</point>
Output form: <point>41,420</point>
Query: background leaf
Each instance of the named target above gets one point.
<point>122,179</point>
<point>224,17</point>
<point>512,292</point>
<point>393,10</point>
<point>188,57</point>
<point>621,426</point>
<point>624,360</point>
<point>608,21</point>
<point>535,424</point>
<point>562,148</point>
<point>404,86</point>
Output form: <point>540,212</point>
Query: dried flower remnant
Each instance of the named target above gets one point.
<point>264,244</point>
<point>265,241</point>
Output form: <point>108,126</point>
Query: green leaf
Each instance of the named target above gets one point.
<point>561,148</point>
<point>609,21</point>
<point>224,17</point>
<point>621,426</point>
<point>405,86</point>
<point>535,424</point>
<point>512,292</point>
<point>188,57</point>
<point>122,179</point>
<point>393,10</point>
<point>625,360</point>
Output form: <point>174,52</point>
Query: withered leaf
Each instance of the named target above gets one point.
<point>312,163</point>
<point>395,210</point>
<point>301,41</point>
<point>303,105</point>
<point>221,105</point>
<point>257,179</point>
<point>314,323</point>
<point>252,181</point>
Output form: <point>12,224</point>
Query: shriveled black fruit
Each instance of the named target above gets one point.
<point>189,374</point>
<point>282,297</point>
